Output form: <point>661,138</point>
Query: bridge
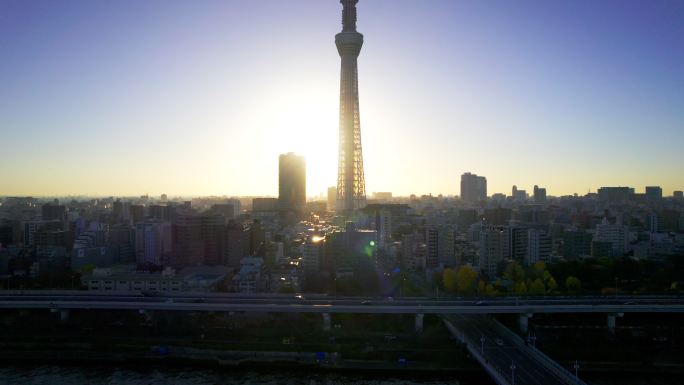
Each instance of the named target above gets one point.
<point>502,353</point>
<point>65,300</point>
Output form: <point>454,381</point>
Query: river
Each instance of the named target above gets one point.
<point>26,374</point>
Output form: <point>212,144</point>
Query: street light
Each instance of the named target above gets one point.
<point>482,340</point>
<point>513,373</point>
<point>531,338</point>
<point>576,366</point>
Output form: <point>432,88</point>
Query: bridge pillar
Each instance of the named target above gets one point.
<point>64,315</point>
<point>419,322</point>
<point>523,322</point>
<point>612,321</point>
<point>326,321</point>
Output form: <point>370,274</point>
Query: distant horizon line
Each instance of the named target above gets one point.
<point>319,196</point>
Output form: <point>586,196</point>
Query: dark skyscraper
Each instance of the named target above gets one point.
<point>539,194</point>
<point>292,183</point>
<point>473,188</point>
<point>351,183</point>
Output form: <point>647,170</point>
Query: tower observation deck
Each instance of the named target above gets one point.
<point>351,183</point>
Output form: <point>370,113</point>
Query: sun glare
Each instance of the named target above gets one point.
<point>306,124</point>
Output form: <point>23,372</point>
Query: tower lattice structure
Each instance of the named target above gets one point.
<point>351,183</point>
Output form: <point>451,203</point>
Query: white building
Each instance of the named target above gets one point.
<point>494,248</point>
<point>617,234</point>
<point>539,247</point>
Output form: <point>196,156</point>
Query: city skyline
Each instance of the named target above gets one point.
<point>90,109</point>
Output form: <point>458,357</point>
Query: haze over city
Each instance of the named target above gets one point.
<point>129,97</point>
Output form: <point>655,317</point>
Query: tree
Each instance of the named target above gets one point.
<point>490,291</point>
<point>465,279</point>
<point>537,287</point>
<point>551,285</point>
<point>449,279</point>
<point>514,272</point>
<point>520,288</point>
<point>481,287</point>
<point>573,284</point>
<point>88,268</point>
<point>286,289</point>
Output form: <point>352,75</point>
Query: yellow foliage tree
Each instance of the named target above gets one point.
<point>465,279</point>
<point>449,279</point>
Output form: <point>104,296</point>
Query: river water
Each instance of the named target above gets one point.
<point>77,374</point>
<point>150,375</point>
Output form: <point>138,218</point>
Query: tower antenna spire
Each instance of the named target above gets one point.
<point>351,183</point>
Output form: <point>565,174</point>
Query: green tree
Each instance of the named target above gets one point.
<point>537,287</point>
<point>465,279</point>
<point>514,272</point>
<point>449,280</point>
<point>551,285</point>
<point>573,284</point>
<point>520,288</point>
<point>88,269</point>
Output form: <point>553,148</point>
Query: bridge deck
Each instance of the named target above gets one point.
<point>497,349</point>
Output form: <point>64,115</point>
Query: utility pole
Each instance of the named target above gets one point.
<point>513,372</point>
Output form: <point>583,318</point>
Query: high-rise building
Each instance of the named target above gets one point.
<point>351,183</point>
<point>292,183</point>
<point>678,194</point>
<point>494,248</point>
<point>383,225</point>
<point>518,195</point>
<point>137,213</point>
<point>440,246</point>
<point>312,253</point>
<point>538,246</point>
<point>152,242</point>
<point>198,240</point>
<point>264,204</point>
<point>473,188</point>
<point>236,244</point>
<point>654,194</point>
<point>332,198</point>
<point>539,194</point>
<point>615,194</point>
<point>51,212</point>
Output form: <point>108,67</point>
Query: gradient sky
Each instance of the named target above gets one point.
<point>200,97</point>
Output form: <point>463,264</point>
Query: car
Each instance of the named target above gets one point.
<point>499,341</point>
<point>480,303</point>
<point>390,299</point>
<point>299,296</point>
<point>365,302</point>
<point>629,303</point>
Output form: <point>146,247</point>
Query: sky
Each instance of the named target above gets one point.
<point>130,97</point>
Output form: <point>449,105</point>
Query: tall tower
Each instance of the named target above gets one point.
<point>351,184</point>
